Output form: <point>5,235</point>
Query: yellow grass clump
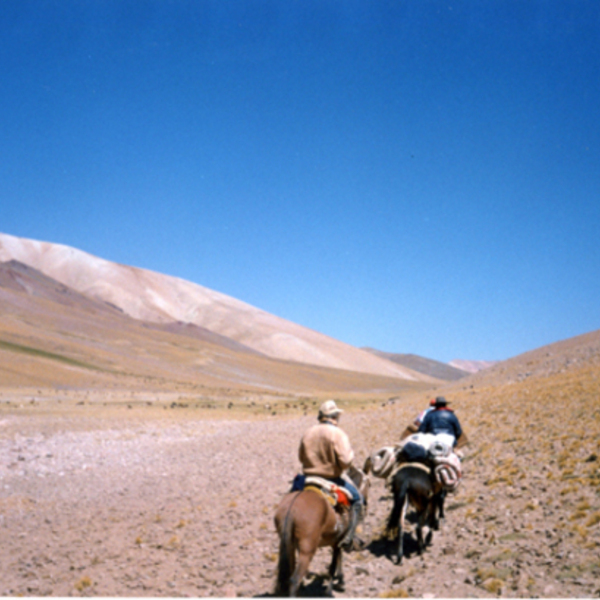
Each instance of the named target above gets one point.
<point>399,593</point>
<point>593,520</point>
<point>83,583</point>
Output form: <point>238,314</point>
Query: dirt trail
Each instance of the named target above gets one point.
<point>184,507</point>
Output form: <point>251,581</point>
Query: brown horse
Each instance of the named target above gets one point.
<point>305,522</point>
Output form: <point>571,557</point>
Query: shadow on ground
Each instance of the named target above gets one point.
<point>384,547</point>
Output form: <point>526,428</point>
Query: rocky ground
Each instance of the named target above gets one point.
<point>142,502</point>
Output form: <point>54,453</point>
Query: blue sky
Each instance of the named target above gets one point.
<point>411,175</point>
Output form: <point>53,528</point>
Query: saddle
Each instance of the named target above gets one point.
<point>336,495</point>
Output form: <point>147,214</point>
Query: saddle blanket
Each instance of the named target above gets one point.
<point>336,494</point>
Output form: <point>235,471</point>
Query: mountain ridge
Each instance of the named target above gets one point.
<point>471,366</point>
<point>427,366</point>
<point>53,336</point>
<point>150,296</point>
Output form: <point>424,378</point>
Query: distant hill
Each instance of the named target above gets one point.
<point>569,355</point>
<point>53,336</point>
<point>472,366</point>
<point>153,297</point>
<point>427,366</point>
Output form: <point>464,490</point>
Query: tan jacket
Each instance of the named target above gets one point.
<point>325,451</point>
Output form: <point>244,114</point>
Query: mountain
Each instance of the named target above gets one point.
<point>471,366</point>
<point>54,336</point>
<point>154,297</point>
<point>426,366</point>
<point>578,353</point>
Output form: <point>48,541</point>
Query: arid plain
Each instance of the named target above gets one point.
<point>143,458</point>
<point>124,494</point>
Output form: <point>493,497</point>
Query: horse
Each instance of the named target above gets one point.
<point>414,484</point>
<point>305,522</point>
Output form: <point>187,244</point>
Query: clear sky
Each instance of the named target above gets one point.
<point>415,176</point>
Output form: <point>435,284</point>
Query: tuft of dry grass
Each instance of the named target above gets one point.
<point>593,519</point>
<point>83,583</point>
<point>399,593</point>
<point>493,585</point>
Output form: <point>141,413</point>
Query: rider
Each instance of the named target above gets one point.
<point>442,422</point>
<point>413,427</point>
<point>325,451</point>
<point>419,419</point>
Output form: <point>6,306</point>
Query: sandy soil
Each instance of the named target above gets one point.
<point>139,504</point>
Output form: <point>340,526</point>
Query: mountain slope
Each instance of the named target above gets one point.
<point>426,366</point>
<point>564,356</point>
<point>150,296</point>
<point>471,366</point>
<point>53,336</point>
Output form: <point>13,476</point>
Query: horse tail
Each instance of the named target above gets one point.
<point>403,502</point>
<point>400,503</point>
<point>401,489</point>
<point>285,564</point>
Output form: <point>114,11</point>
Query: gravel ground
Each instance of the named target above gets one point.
<point>184,507</point>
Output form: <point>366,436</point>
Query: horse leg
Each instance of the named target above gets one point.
<point>428,517</point>
<point>438,509</point>
<point>420,543</point>
<point>442,499</point>
<point>403,501</point>
<point>336,575</point>
<point>429,537</point>
<point>306,552</point>
<point>397,516</point>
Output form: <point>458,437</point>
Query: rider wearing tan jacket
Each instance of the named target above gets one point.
<point>325,451</point>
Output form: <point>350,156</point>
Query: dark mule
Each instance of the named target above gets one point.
<point>415,484</point>
<point>306,521</point>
